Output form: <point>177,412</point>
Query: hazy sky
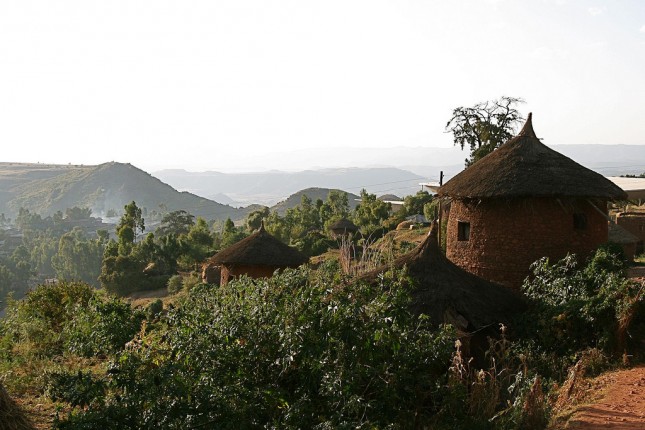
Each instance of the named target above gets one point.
<point>202,84</point>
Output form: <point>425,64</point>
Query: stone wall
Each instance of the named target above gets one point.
<point>506,236</point>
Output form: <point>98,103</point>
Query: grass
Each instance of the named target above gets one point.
<point>25,380</point>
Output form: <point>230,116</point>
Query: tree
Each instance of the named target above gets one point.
<point>198,243</point>
<point>76,213</point>
<point>175,222</point>
<point>255,218</point>
<point>371,213</point>
<point>485,126</point>
<point>4,221</point>
<point>126,230</point>
<point>335,207</point>
<point>415,204</point>
<point>230,234</point>
<point>78,258</point>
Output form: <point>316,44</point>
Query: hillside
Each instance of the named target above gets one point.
<point>314,194</point>
<point>46,189</point>
<point>268,188</point>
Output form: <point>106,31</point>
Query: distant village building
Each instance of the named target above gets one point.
<point>633,222</point>
<point>522,202</point>
<point>627,241</point>
<point>257,256</point>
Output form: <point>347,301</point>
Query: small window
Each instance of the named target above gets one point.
<point>579,221</point>
<point>463,230</point>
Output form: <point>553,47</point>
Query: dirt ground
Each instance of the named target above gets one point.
<point>618,403</point>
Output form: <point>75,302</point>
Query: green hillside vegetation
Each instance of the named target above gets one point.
<point>313,194</point>
<point>45,189</point>
<point>311,349</point>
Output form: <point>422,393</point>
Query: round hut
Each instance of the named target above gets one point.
<point>343,227</point>
<point>522,202</point>
<point>257,256</point>
<point>447,294</point>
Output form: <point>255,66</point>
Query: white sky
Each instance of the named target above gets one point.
<point>202,84</point>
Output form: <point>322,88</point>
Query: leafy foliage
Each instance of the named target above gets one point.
<point>575,308</point>
<point>371,213</point>
<point>284,352</point>
<point>69,317</point>
<point>175,222</point>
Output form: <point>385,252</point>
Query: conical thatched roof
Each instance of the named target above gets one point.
<point>523,167</point>
<point>260,248</point>
<point>344,224</point>
<point>449,294</point>
<point>12,417</point>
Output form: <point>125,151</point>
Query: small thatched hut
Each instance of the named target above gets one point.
<point>257,256</point>
<point>522,202</point>
<point>449,294</point>
<point>343,227</point>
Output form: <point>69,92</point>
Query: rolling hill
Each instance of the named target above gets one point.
<point>314,194</point>
<point>45,189</point>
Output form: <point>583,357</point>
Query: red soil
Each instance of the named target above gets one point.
<point>621,404</point>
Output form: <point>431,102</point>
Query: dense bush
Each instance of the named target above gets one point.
<point>291,351</point>
<point>574,309</point>
<point>69,317</point>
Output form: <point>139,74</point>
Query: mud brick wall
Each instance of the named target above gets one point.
<point>230,272</point>
<point>506,236</point>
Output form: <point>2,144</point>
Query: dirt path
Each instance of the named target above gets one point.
<point>620,404</point>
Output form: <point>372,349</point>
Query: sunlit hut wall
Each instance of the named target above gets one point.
<point>522,202</point>
<point>258,255</point>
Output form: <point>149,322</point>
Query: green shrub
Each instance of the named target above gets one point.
<point>190,282</point>
<point>37,321</point>
<point>102,327</point>
<point>69,318</point>
<point>576,308</point>
<point>154,309</point>
<point>286,352</point>
<point>174,284</point>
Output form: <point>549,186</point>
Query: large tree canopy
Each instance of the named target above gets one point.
<point>484,126</point>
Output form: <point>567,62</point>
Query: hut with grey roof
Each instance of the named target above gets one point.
<point>447,294</point>
<point>522,202</point>
<point>257,256</point>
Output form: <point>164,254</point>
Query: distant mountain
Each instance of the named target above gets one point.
<point>223,199</point>
<point>314,194</point>
<point>269,188</point>
<point>45,189</point>
<point>608,160</point>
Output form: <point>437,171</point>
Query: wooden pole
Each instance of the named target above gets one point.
<point>439,217</point>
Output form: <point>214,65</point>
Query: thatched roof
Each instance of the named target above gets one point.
<point>524,167</point>
<point>449,294</point>
<point>343,224</point>
<point>12,417</point>
<point>260,248</point>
